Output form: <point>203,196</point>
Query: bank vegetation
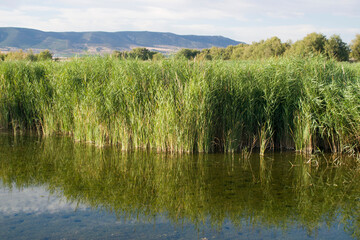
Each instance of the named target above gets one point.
<point>300,103</point>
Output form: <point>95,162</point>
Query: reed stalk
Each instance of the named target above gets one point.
<point>187,106</point>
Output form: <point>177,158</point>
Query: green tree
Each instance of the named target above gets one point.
<point>116,54</point>
<point>136,53</point>
<point>18,55</point>
<point>355,48</point>
<point>120,54</point>
<point>313,43</point>
<point>219,54</point>
<point>335,47</point>
<point>31,56</point>
<point>228,51</point>
<point>187,53</point>
<point>141,53</point>
<point>238,52</point>
<point>250,50</point>
<point>204,55</point>
<point>44,55</point>
<point>158,56</point>
<point>273,47</point>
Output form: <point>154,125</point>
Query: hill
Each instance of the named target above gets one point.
<point>100,42</point>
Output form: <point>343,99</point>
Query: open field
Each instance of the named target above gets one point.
<point>187,106</point>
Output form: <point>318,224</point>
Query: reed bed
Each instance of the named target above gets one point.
<point>303,104</point>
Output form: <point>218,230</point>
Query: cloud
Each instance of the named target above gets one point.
<point>288,32</point>
<point>239,19</point>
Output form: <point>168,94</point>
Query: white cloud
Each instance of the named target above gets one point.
<point>288,32</point>
<point>16,18</point>
<point>285,15</point>
<point>33,200</point>
<point>239,19</point>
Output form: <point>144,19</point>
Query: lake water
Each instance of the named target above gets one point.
<point>53,188</point>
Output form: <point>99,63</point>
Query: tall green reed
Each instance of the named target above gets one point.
<point>187,106</point>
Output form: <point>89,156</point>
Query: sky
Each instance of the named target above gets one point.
<point>241,20</point>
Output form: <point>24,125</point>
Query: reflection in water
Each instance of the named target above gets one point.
<point>277,190</point>
<point>32,200</point>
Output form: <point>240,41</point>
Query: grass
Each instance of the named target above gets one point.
<point>185,106</point>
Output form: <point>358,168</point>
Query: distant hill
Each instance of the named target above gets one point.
<point>100,42</point>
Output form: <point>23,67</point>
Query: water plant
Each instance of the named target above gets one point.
<point>187,106</point>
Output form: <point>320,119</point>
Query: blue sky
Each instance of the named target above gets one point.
<point>241,20</point>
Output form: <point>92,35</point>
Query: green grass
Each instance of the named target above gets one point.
<point>185,106</point>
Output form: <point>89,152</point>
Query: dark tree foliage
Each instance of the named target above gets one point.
<point>141,53</point>
<point>205,54</point>
<point>187,53</point>
<point>136,53</point>
<point>336,48</point>
<point>44,55</point>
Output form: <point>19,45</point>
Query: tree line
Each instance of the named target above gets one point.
<point>313,43</point>
<point>29,55</point>
<point>138,53</point>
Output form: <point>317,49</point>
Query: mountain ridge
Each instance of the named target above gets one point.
<point>102,41</point>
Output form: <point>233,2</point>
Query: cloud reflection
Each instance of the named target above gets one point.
<point>35,200</point>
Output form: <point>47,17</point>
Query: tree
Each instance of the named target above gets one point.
<point>335,47</point>
<point>204,55</point>
<point>135,53</point>
<point>219,53</point>
<point>229,51</point>
<point>158,56</point>
<point>141,53</point>
<point>355,48</point>
<point>120,54</point>
<point>273,47</point>
<point>18,55</point>
<point>44,55</point>
<point>187,53</point>
<point>116,54</point>
<point>31,56</point>
<point>250,51</point>
<point>238,52</point>
<point>313,43</point>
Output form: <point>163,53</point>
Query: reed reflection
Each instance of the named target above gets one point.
<point>281,190</point>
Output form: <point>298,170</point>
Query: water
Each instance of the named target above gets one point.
<point>54,188</point>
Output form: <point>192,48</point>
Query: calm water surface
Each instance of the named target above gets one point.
<point>54,188</point>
